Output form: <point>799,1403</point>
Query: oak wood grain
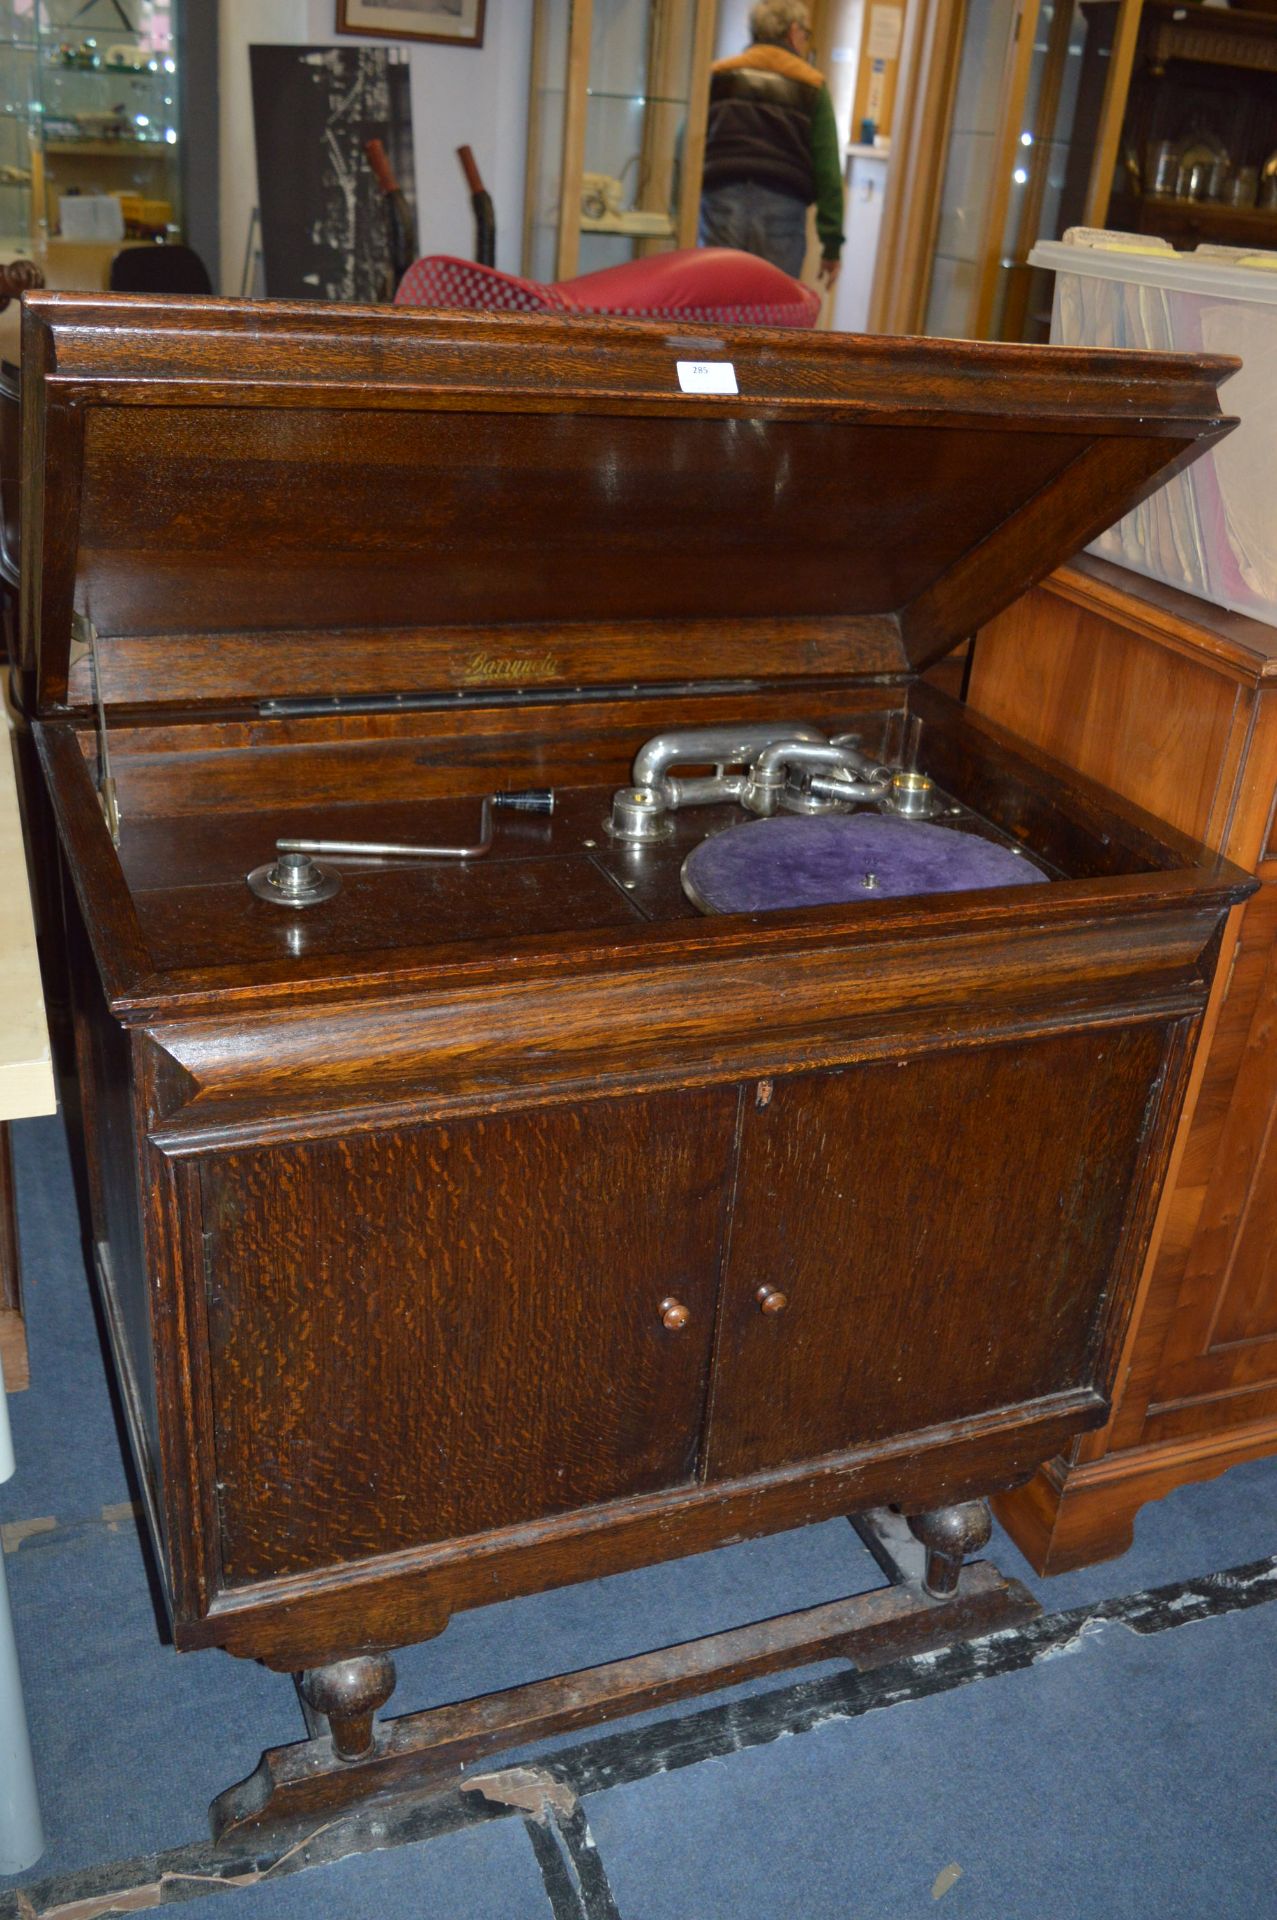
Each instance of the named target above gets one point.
<point>947,1314</point>
<point>494,1290</point>
<point>409,1596</point>
<point>434,1220</point>
<point>235,472</point>
<point>1170,701</point>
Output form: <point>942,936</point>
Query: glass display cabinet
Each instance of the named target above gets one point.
<point>1180,123</point>
<point>88,108</point>
<point>1005,162</point>
<point>18,96</point>
<point>1144,115</point>
<point>616,131</point>
<point>1150,117</point>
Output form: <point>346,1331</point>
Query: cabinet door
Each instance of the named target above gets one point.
<point>943,1230</point>
<point>422,1334</point>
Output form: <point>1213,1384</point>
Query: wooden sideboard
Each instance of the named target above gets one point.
<point>1172,703</point>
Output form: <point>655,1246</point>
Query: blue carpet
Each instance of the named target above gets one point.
<point>1112,1773</point>
<point>131,1739</point>
<point>601,1620</point>
<point>64,1433</point>
<point>485,1873</point>
<point>1129,1779</point>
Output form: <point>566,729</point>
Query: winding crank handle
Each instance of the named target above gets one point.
<point>529,800</point>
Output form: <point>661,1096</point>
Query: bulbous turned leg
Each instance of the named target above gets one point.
<point>949,1534</point>
<point>348,1693</point>
<point>16,278</point>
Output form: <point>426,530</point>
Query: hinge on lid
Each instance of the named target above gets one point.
<point>86,634</point>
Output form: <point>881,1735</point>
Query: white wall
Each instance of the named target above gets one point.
<point>733,28</point>
<point>840,61</point>
<point>460,96</point>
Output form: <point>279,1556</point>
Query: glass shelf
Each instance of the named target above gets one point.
<point>101,148</point>
<point>638,99</point>
<point>78,128</point>
<point>636,224</point>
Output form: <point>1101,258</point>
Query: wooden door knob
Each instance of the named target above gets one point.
<point>771,1299</point>
<point>674,1314</point>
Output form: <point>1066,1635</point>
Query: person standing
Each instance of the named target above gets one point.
<point>771,147</point>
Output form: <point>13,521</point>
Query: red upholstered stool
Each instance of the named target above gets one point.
<point>708,283</point>
<point>438,280</point>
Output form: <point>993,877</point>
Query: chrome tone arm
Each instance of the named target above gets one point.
<point>763,767</point>
<point>828,787</point>
<point>720,747</point>
<point>706,792</point>
<point>795,752</point>
<point>771,770</point>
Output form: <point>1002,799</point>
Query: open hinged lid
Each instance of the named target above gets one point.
<point>251,500</point>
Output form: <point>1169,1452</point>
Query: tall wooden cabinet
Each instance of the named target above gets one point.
<point>1158,82</point>
<point>1173,703</point>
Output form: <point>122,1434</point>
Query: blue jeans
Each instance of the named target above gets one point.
<point>758,220</point>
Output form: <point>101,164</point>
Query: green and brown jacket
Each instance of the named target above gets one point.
<point>771,120</point>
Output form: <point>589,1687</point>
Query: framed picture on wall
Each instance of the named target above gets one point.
<point>458,23</point>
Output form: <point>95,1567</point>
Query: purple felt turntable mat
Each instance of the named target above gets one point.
<point>793,862</point>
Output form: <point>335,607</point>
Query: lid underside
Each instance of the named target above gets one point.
<point>248,500</point>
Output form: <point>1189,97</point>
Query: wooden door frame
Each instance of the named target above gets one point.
<point>575,108</point>
<point>1099,189</point>
<point>706,32</point>
<point>921,121</point>
<point>532,163</point>
<point>1013,93</point>
<point>1048,107</point>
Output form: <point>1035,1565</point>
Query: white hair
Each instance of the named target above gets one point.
<point>771,19</point>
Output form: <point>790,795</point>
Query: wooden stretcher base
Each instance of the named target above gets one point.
<point>420,1752</point>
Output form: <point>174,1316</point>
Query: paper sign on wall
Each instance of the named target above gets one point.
<point>885,27</point>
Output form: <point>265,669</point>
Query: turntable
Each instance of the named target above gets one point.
<point>832,825</point>
<point>859,830</point>
<point>585,1054</point>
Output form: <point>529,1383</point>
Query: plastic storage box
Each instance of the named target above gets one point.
<point>1213,529</point>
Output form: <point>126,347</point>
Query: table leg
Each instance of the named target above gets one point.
<point>13,1336</point>
<point>21,1831</point>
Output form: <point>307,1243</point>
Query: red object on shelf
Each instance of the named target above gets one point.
<point>712,283</point>
<point>485,219</point>
<point>401,231</point>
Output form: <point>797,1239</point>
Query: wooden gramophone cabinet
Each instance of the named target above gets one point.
<point>440,1226</point>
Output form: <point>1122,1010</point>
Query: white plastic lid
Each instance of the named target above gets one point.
<point>1217,271</point>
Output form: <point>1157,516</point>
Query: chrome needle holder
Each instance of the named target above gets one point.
<point>293,880</point>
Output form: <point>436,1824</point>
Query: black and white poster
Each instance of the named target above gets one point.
<point>325,234</point>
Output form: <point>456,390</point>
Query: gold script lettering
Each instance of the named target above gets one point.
<point>491,666</point>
